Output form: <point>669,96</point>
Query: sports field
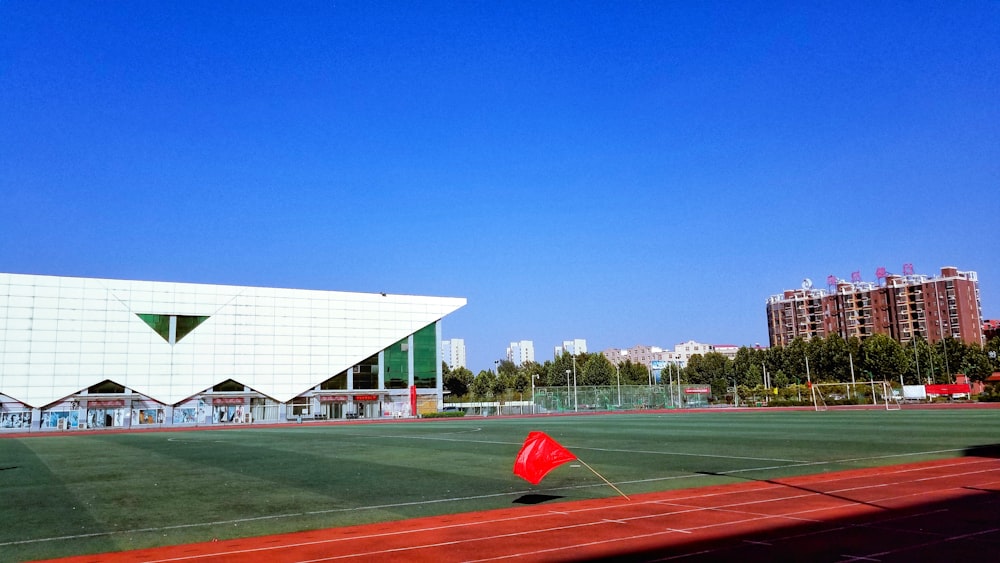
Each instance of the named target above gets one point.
<point>74,494</point>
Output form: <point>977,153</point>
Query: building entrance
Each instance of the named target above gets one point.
<point>332,411</point>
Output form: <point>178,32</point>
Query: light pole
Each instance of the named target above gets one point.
<point>567,385</point>
<point>618,373</point>
<point>499,407</point>
<point>576,404</point>
<point>533,378</point>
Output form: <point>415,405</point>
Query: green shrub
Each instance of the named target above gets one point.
<point>445,414</point>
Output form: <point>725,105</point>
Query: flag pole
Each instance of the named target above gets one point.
<point>603,479</point>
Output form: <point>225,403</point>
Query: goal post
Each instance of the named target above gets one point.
<point>879,393</point>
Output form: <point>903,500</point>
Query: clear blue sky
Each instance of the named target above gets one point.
<point>624,172</point>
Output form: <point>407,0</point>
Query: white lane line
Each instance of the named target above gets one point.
<point>795,515</point>
<point>460,499</point>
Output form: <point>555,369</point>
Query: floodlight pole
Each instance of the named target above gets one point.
<point>576,404</point>
<point>618,373</point>
<point>567,384</point>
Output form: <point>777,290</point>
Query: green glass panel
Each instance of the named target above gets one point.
<point>336,382</point>
<point>185,324</point>
<point>397,373</point>
<point>159,323</point>
<point>366,374</point>
<point>425,359</point>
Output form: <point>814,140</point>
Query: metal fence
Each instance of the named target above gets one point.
<point>626,397</point>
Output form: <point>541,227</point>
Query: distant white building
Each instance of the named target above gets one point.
<point>727,350</point>
<point>572,347</point>
<point>453,352</point>
<point>521,352</point>
<point>684,351</point>
<point>640,354</point>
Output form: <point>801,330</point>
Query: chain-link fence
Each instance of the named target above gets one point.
<point>626,397</point>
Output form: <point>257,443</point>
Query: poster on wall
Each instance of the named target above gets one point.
<point>105,418</point>
<point>228,409</point>
<point>229,413</point>
<point>15,419</point>
<point>61,419</point>
<point>148,416</point>
<point>185,415</point>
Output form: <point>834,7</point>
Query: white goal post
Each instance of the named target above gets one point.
<point>866,392</point>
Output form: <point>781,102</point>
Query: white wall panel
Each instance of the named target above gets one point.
<point>283,339</point>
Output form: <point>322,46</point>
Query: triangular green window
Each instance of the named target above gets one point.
<point>172,328</point>
<point>159,323</point>
<point>187,323</point>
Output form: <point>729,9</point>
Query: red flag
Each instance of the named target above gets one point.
<point>539,455</point>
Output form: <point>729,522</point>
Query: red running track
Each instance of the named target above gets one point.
<point>933,511</point>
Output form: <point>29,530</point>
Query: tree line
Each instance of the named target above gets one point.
<point>830,359</point>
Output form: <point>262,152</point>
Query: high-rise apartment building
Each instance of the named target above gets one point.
<point>521,352</point>
<point>453,352</point>
<point>902,307</point>
<point>572,347</point>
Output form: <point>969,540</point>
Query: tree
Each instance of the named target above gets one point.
<point>633,373</point>
<point>457,381</point>
<point>883,357</point>
<point>598,371</point>
<point>993,352</point>
<point>484,384</point>
<point>976,363</point>
<point>921,355</point>
<point>836,361</point>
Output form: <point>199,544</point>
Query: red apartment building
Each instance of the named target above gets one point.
<point>902,307</point>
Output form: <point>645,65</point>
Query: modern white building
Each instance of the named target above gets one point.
<point>453,352</point>
<point>83,352</point>
<point>571,347</point>
<point>521,352</point>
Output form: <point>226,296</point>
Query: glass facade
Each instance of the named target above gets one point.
<point>337,382</point>
<point>366,374</point>
<point>397,365</point>
<point>425,358</point>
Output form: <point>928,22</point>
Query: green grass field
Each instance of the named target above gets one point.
<point>65,495</point>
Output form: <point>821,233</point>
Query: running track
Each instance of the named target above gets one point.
<point>935,511</point>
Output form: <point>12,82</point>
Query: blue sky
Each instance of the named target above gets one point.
<point>624,172</point>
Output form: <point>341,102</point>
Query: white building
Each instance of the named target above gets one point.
<point>684,351</point>
<point>639,354</point>
<point>79,352</point>
<point>521,352</point>
<point>571,347</point>
<point>453,352</point>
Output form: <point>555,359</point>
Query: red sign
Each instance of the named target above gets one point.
<point>698,390</point>
<point>333,398</point>
<point>228,400</point>
<point>366,397</point>
<point>953,389</point>
<point>107,403</point>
